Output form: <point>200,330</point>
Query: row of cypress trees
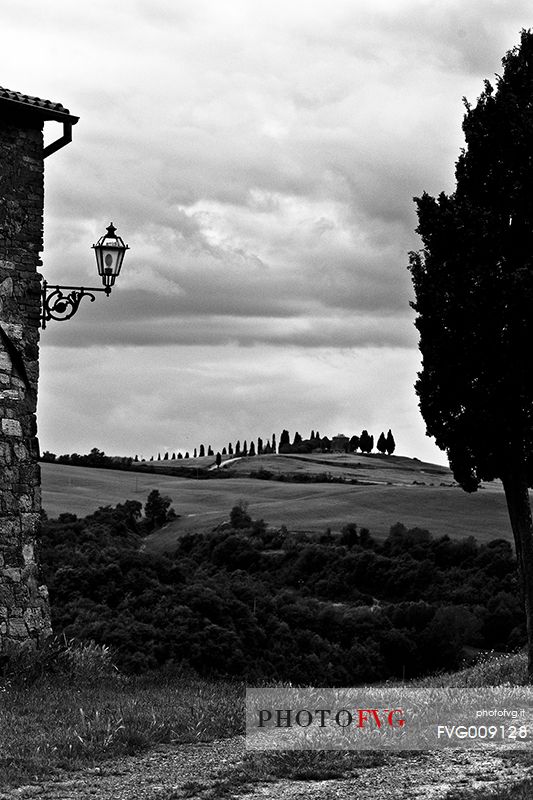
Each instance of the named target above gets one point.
<point>364,442</point>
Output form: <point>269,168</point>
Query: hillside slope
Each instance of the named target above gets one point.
<point>389,490</point>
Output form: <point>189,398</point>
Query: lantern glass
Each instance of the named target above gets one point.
<point>109,252</point>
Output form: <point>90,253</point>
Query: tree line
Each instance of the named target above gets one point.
<point>316,443</point>
<point>248,449</point>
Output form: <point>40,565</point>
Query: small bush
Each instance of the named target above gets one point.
<point>239,517</point>
<point>87,661</point>
<point>79,661</point>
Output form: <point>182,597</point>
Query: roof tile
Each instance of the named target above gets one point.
<point>29,100</point>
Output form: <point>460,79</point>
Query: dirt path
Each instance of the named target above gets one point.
<point>224,769</point>
<point>426,776</point>
<point>162,773</point>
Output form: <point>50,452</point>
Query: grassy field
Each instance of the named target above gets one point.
<point>78,710</point>
<point>80,713</point>
<point>398,470</point>
<point>82,490</point>
<point>393,496</point>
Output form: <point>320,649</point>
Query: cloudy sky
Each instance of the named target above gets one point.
<point>260,159</point>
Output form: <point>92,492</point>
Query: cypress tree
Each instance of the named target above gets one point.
<point>366,442</point>
<point>284,442</point>
<point>473,284</point>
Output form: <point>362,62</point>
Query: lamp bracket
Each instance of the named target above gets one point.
<point>60,306</point>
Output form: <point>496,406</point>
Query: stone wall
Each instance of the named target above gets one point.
<point>24,608</point>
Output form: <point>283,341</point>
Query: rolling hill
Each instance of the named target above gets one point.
<point>388,490</point>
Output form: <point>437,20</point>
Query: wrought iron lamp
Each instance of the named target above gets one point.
<point>109,251</point>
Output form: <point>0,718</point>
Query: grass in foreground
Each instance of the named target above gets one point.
<point>505,669</point>
<point>85,712</point>
<point>80,712</point>
<point>270,767</point>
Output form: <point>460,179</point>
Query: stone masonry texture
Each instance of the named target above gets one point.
<point>24,606</point>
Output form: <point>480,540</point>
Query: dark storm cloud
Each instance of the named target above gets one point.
<point>307,331</point>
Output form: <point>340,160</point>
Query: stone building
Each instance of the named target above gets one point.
<point>340,443</point>
<point>24,609</point>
